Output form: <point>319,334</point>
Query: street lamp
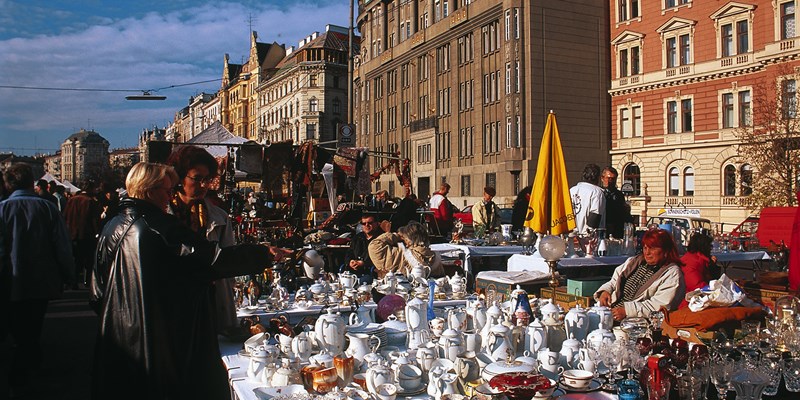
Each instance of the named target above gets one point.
<point>552,249</point>
<point>145,96</point>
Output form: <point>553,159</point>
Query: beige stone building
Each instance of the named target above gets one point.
<point>84,156</point>
<point>684,79</point>
<point>306,97</point>
<point>463,89</point>
<point>52,164</point>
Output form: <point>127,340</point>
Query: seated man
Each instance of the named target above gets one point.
<point>356,259</point>
<point>485,214</point>
<point>442,210</point>
<point>646,282</point>
<point>399,252</point>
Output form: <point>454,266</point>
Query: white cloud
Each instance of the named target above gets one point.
<point>152,51</point>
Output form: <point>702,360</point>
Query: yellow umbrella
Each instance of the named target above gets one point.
<point>550,208</point>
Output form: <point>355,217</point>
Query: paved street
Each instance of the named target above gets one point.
<point>68,342</point>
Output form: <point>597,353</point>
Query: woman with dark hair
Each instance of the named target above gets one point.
<point>520,209</point>
<point>645,282</point>
<point>197,172</point>
<point>697,263</point>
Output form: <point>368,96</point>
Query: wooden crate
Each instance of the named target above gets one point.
<point>564,299</point>
<point>766,294</point>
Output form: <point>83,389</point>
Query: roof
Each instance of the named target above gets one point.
<point>215,133</point>
<point>86,137</point>
<point>326,40</point>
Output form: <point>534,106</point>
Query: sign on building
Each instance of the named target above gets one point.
<point>346,135</point>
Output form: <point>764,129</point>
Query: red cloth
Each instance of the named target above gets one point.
<point>695,272</point>
<point>794,252</point>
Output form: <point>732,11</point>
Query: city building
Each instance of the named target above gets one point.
<point>238,97</point>
<point>210,112</point>
<point>155,134</point>
<point>684,81</point>
<point>52,164</point>
<point>36,164</point>
<point>306,97</point>
<point>463,89</point>
<point>84,157</point>
<point>121,161</point>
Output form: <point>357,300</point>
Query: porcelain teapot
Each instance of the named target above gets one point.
<point>548,309</point>
<point>576,323</point>
<point>286,375</point>
<point>458,283</point>
<point>554,332</point>
<point>450,344</point>
<point>494,316</point>
<point>378,374</point>
<point>457,319</point>
<point>600,317</point>
<point>419,273</point>
<point>329,332</point>
<point>597,336</point>
<point>360,318</point>
<point>259,366</point>
<point>361,344</point>
<point>348,280</point>
<point>322,359</point>
<point>569,352</point>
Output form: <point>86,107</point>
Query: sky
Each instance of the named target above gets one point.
<point>127,45</point>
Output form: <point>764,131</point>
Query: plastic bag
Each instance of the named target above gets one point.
<point>722,292</point>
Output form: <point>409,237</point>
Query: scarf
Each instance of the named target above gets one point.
<point>192,214</point>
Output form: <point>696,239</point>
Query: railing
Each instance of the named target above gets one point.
<point>425,123</point>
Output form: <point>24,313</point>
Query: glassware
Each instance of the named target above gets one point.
<point>721,372</point>
<point>658,390</point>
<point>689,387</point>
<point>629,389</point>
<point>772,365</point>
<point>700,367</point>
<point>749,383</point>
<point>791,374</point>
<point>611,356</point>
<point>750,333</point>
<point>721,345</point>
<point>635,327</point>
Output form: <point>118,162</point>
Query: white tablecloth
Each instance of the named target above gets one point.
<point>475,251</point>
<point>535,262</point>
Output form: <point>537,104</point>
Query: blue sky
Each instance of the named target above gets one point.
<point>126,44</point>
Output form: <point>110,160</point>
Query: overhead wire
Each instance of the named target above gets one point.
<point>104,90</point>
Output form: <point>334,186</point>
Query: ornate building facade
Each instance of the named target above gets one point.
<point>84,156</point>
<point>306,97</point>
<point>684,75</point>
<point>463,89</point>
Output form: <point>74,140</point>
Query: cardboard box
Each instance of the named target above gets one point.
<point>765,294</point>
<point>585,286</point>
<point>320,217</point>
<point>564,299</point>
<point>503,288</point>
<point>687,334</point>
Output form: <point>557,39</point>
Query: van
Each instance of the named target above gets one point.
<point>687,220</point>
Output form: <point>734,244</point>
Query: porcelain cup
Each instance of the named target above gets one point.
<point>386,391</point>
<point>549,361</point>
<point>587,365</point>
<point>409,377</point>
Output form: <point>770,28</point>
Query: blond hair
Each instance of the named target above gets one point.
<point>144,177</point>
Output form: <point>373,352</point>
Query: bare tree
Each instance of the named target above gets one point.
<point>770,142</point>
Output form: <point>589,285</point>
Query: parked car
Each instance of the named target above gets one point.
<point>687,222</point>
<point>744,231</point>
<point>465,215</point>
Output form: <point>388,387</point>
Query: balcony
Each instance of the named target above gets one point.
<point>425,123</point>
<point>780,48</point>
<point>678,201</point>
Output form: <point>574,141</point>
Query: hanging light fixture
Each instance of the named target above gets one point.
<point>146,95</point>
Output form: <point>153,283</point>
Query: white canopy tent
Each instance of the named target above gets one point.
<point>70,187</point>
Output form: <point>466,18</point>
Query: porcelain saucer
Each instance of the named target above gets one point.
<point>593,385</point>
<point>403,392</point>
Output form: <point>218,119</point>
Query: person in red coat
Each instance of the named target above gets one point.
<point>697,263</point>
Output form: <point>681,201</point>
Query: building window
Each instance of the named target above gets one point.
<point>465,185</point>
<point>508,78</point>
<point>685,49</point>
<point>518,133</point>
<point>508,24</point>
<point>686,114</point>
<point>312,105</point>
<point>632,175</point>
<point>744,108</point>
<point>516,23</point>
<point>404,78</point>
<point>516,77</point>
<point>742,37</point>
<point>675,3</point>
<point>443,58</point>
<point>727,40</point>
<point>311,131</point>
<point>630,121</point>
<point>509,132</point>
<point>729,181</point>
<point>746,176</point>
<point>688,181</point>
<point>336,104</point>
<point>625,126</point>
<point>677,35</point>
<point>674,182</point>
<point>627,10</point>
<point>672,52</point>
<point>787,20</point>
<point>789,98</point>
<point>465,53</point>
<point>312,80</point>
<point>490,37</point>
<point>672,116</point>
<point>491,180</point>
<point>628,46</point>
<point>727,110</point>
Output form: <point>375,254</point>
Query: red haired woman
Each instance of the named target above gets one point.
<point>646,282</point>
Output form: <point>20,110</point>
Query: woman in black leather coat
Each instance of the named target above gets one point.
<point>150,288</point>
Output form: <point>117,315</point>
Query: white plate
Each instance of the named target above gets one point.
<point>419,390</point>
<point>267,393</point>
<point>593,385</point>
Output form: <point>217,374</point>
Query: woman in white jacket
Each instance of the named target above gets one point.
<point>646,282</point>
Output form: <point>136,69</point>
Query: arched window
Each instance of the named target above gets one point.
<point>312,104</point>
<point>631,174</point>
<point>729,181</point>
<point>746,177</point>
<point>674,181</point>
<point>688,181</point>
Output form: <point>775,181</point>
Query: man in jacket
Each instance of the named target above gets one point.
<point>485,213</point>
<point>442,210</point>
<point>83,220</point>
<point>356,259</point>
<point>588,201</point>
<point>618,212</point>
<point>37,262</point>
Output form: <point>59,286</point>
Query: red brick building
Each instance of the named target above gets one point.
<point>683,76</point>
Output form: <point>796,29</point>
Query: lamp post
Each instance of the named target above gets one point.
<point>552,249</point>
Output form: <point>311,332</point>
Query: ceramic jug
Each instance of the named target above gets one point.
<point>569,352</point>
<point>548,310</point>
<point>416,314</point>
<point>360,319</point>
<point>302,346</point>
<point>329,332</point>
<point>418,338</point>
<point>285,375</point>
<point>258,363</point>
<point>535,337</point>
<point>458,283</point>
<point>467,367</point>
<point>600,317</point>
<point>361,344</point>
<point>477,315</point>
<point>554,331</point>
<point>447,384</point>
<point>498,344</point>
<point>576,323</point>
<point>457,319</point>
<point>494,316</point>
<point>426,355</point>
<point>419,273</point>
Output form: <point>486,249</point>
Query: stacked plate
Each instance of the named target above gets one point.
<point>372,329</point>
